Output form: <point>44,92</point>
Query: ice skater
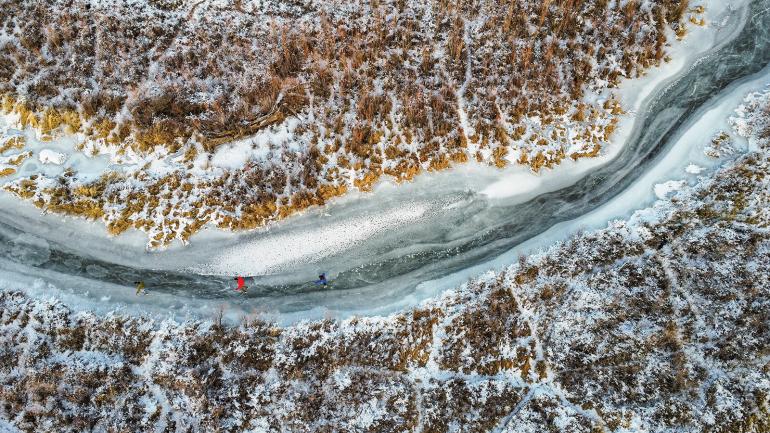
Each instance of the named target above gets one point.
<point>322,281</point>
<point>241,285</point>
<point>140,288</point>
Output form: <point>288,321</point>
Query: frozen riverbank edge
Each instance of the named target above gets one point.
<point>657,323</point>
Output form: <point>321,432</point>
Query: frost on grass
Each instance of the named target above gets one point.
<point>360,90</point>
<point>656,324</point>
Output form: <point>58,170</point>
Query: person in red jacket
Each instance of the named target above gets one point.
<point>241,284</point>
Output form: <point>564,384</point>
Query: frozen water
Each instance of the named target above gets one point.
<point>29,249</point>
<point>265,253</point>
<point>97,271</point>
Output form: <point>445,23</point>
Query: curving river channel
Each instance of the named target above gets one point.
<point>395,239</point>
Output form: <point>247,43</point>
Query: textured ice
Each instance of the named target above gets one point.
<point>271,252</point>
<point>30,249</point>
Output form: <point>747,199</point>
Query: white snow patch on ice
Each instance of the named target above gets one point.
<point>513,184</point>
<point>257,147</point>
<point>662,190</point>
<point>694,169</point>
<point>48,156</point>
<point>271,253</point>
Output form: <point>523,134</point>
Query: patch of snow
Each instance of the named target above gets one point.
<point>270,253</point>
<point>48,156</point>
<point>694,169</point>
<point>513,184</point>
<point>342,379</point>
<point>258,147</point>
<point>662,190</point>
<point>7,427</point>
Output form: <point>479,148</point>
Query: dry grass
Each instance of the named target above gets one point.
<point>13,143</point>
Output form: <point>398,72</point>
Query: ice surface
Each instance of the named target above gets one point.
<point>29,249</point>
<point>263,254</point>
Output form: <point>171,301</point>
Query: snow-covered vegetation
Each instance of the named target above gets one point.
<point>658,323</point>
<point>314,97</point>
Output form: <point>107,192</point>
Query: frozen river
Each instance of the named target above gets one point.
<point>399,244</point>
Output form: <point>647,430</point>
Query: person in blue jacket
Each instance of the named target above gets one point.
<point>322,281</point>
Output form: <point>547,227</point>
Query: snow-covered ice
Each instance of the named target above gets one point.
<point>694,169</point>
<point>269,252</point>
<point>663,190</point>
<point>48,156</point>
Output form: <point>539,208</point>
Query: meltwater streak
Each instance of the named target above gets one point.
<point>372,274</point>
